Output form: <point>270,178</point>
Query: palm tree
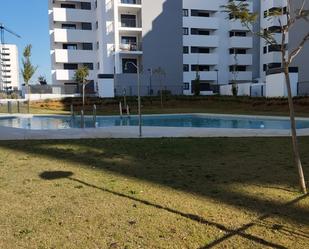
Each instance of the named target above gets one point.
<point>28,70</point>
<point>80,77</point>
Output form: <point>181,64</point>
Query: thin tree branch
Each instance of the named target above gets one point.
<point>296,51</point>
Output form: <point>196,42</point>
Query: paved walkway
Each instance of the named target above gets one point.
<point>7,133</point>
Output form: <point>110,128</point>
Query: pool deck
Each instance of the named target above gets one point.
<point>7,133</point>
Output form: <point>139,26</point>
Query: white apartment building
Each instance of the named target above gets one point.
<point>185,38</point>
<point>9,67</point>
<point>216,48</point>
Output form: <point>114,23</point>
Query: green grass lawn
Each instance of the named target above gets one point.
<point>154,193</point>
<point>174,104</point>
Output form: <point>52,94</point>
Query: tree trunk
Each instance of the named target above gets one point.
<point>29,97</point>
<point>297,160</point>
<point>84,96</point>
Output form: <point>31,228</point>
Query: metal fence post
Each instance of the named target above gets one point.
<point>72,111</point>
<point>94,115</point>
<point>18,107</point>
<point>9,103</point>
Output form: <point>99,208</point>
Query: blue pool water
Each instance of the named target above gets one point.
<point>190,120</point>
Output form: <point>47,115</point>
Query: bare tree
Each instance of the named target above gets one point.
<point>162,74</point>
<point>240,11</point>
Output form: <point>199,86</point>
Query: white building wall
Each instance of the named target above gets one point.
<point>9,78</point>
<point>219,41</point>
<point>266,57</point>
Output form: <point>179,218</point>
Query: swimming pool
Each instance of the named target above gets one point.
<point>175,120</point>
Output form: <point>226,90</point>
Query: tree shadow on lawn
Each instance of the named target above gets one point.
<point>56,175</point>
<point>208,167</point>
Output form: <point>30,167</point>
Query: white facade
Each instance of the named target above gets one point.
<point>9,68</point>
<point>96,34</point>
<point>108,36</point>
<point>216,48</point>
<point>271,55</point>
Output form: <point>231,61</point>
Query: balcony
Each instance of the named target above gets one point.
<point>202,59</point>
<point>211,41</point>
<point>62,74</point>
<point>274,21</point>
<point>72,15</point>
<point>237,25</point>
<point>130,5</point>
<point>241,59</point>
<point>241,42</point>
<point>272,57</point>
<point>72,35</point>
<point>243,76</point>
<point>206,75</point>
<point>274,4</point>
<point>203,23</point>
<point>130,48</point>
<point>250,4</point>
<point>74,56</point>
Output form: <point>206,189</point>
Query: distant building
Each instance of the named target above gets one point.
<point>9,68</point>
<point>183,37</point>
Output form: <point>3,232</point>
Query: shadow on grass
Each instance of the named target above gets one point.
<point>208,167</point>
<point>55,175</point>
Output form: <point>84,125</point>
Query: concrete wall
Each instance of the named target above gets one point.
<point>296,34</point>
<point>276,86</point>
<point>162,38</point>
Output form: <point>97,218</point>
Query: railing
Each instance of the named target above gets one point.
<point>130,1</point>
<point>128,23</point>
<point>130,47</point>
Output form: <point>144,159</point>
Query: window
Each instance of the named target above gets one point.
<point>85,6</point>
<point>128,21</point>
<point>87,46</point>
<point>238,51</point>
<point>200,50</point>
<point>265,50</point>
<point>201,68</point>
<point>185,12</point>
<point>185,31</point>
<point>69,46</point>
<point>68,26</point>
<point>237,68</point>
<point>274,48</point>
<point>69,66</point>
<point>200,13</point>
<point>86,26</point>
<point>238,33</point>
<point>88,65</point>
<point>67,6</point>
<point>129,65</point>
<point>199,31</point>
<point>186,86</point>
<point>186,50</point>
<point>186,68</point>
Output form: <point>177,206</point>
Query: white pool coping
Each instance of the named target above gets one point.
<point>7,133</point>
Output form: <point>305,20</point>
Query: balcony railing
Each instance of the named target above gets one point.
<point>130,47</point>
<point>130,1</point>
<point>128,23</point>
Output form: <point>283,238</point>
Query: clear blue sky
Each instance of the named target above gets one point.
<point>29,19</point>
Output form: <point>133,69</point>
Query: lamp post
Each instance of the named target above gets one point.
<point>217,71</point>
<point>138,94</point>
